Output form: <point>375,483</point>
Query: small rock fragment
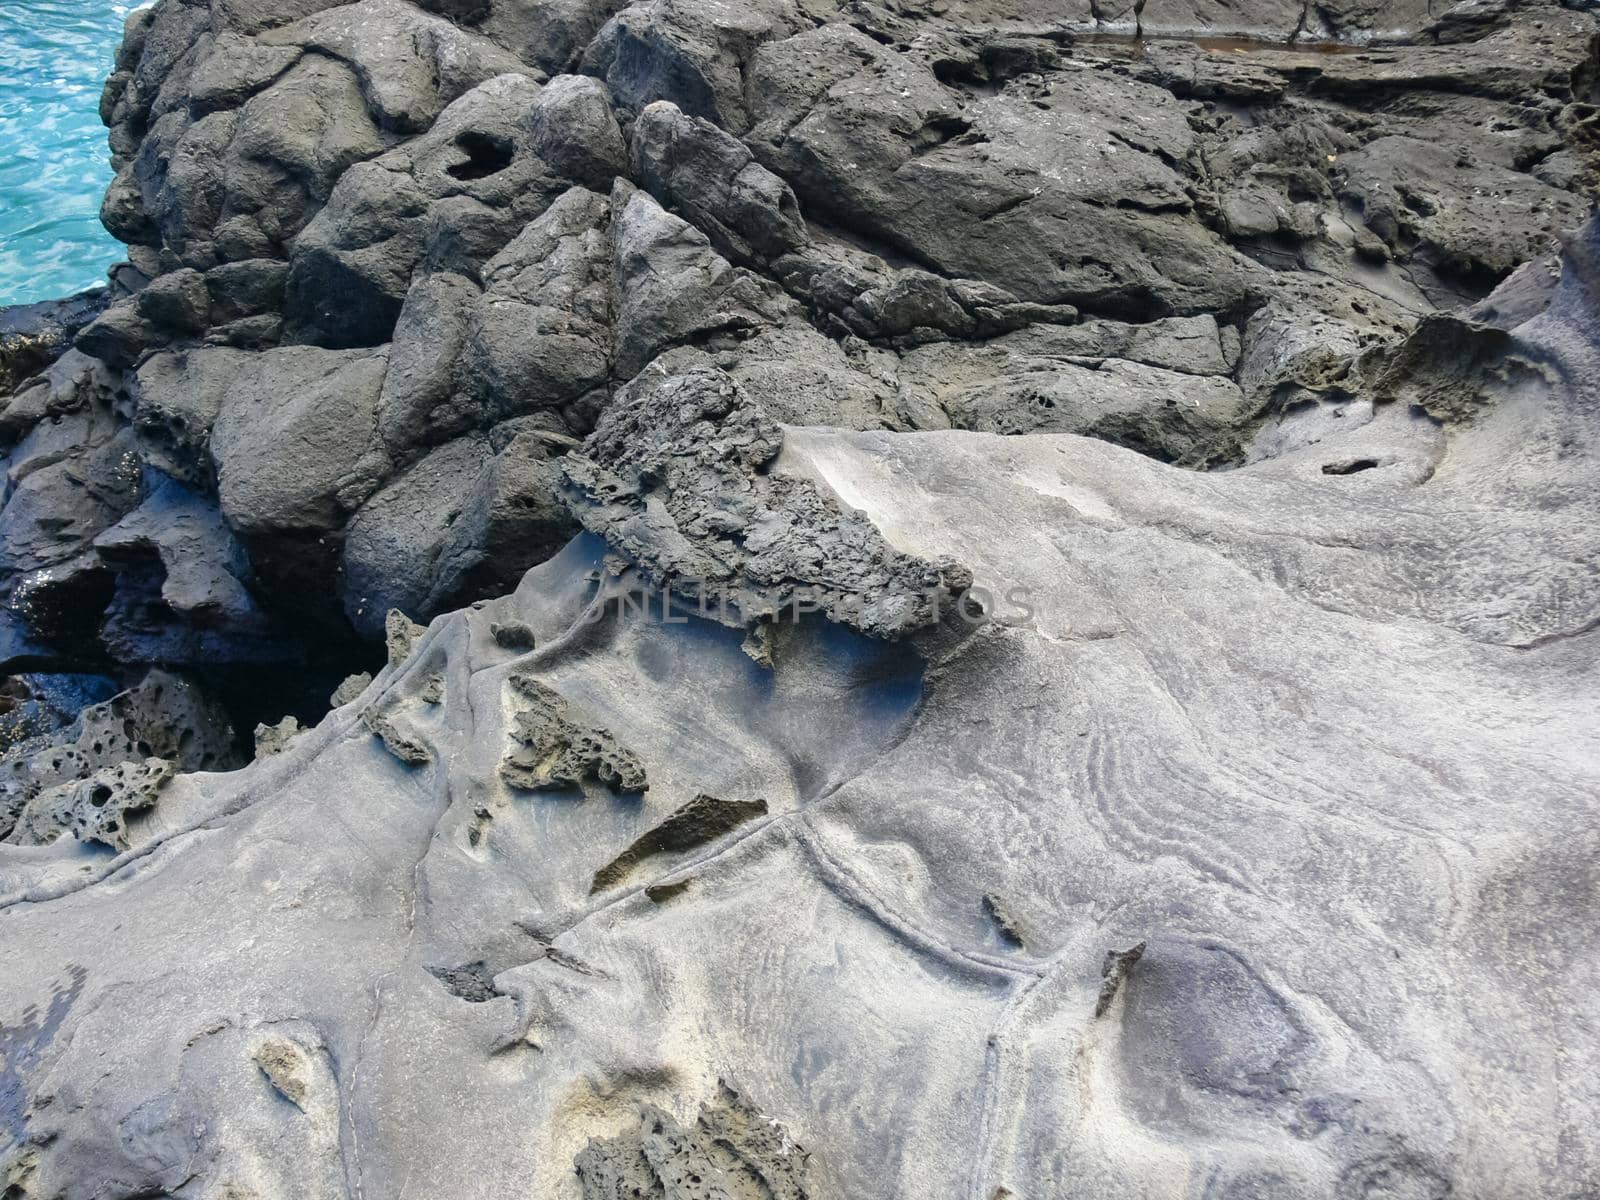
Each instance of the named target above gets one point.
<point>407,748</point>
<point>560,746</point>
<point>472,982</point>
<point>164,717</point>
<point>400,634</point>
<point>1002,919</point>
<point>758,645</point>
<point>512,635</point>
<point>284,1065</point>
<point>274,739</point>
<point>1113,971</point>
<point>95,809</point>
<point>732,1149</point>
<point>660,893</point>
<point>350,689</point>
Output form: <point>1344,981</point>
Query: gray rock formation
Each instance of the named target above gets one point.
<point>1007,220</point>
<point>116,744</point>
<point>980,600</point>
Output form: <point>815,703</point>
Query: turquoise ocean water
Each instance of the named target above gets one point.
<point>54,165</point>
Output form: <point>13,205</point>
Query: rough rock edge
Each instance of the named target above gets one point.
<point>557,745</point>
<point>673,478</point>
<point>730,1147</point>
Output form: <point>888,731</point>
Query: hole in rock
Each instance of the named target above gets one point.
<point>953,72</point>
<point>939,129</point>
<point>1349,467</point>
<point>487,154</point>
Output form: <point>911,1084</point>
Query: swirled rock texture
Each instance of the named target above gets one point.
<point>985,599</point>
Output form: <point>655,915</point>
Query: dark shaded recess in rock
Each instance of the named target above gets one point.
<point>472,982</point>
<point>247,661</point>
<point>731,1150</point>
<point>462,12</point>
<point>1350,466</point>
<point>995,909</point>
<point>487,154</point>
<point>253,695</point>
<point>661,893</point>
<point>977,61</point>
<point>673,479</point>
<point>701,820</point>
<point>182,596</point>
<point>558,745</point>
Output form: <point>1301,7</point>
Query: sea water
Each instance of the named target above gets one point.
<point>54,163</point>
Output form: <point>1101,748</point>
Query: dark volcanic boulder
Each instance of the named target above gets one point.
<point>352,266</point>
<point>465,521</point>
<point>539,337</point>
<point>1076,189</point>
<point>294,446</point>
